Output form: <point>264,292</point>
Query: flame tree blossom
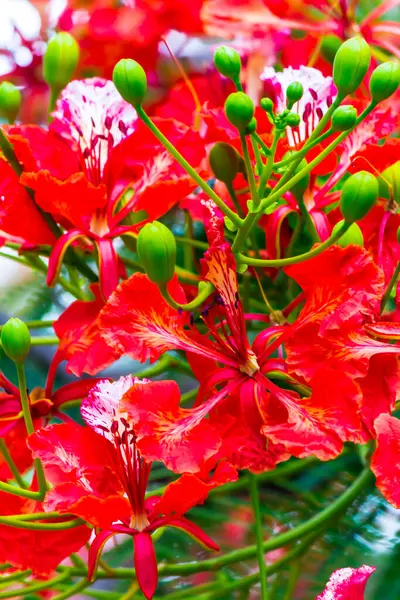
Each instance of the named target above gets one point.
<point>99,474</point>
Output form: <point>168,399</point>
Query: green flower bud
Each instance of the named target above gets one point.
<point>293,120</point>
<point>130,80</point>
<point>10,101</point>
<point>16,340</point>
<point>60,60</point>
<point>359,194</point>
<point>225,162</point>
<point>227,62</point>
<point>389,183</point>
<point>330,45</point>
<point>385,80</point>
<point>252,126</point>
<point>239,110</point>
<point>352,236</point>
<point>267,105</point>
<point>351,65</point>
<point>344,118</point>
<point>294,93</point>
<point>156,248</point>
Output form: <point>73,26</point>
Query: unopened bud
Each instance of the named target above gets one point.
<point>156,248</point>
<point>330,45</point>
<point>239,110</point>
<point>10,101</point>
<point>344,118</point>
<point>353,235</point>
<point>60,60</point>
<point>227,62</point>
<point>16,340</point>
<point>225,162</point>
<point>293,120</point>
<point>267,105</point>
<point>385,80</point>
<point>389,183</point>
<point>359,194</point>
<point>130,80</point>
<point>294,93</point>
<point>351,65</point>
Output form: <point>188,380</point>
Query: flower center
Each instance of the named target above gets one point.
<point>132,469</point>
<point>251,365</point>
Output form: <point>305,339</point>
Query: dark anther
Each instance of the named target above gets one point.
<point>114,427</point>
<point>319,112</point>
<point>314,94</point>
<point>124,422</point>
<point>108,122</point>
<point>103,428</point>
<point>122,127</point>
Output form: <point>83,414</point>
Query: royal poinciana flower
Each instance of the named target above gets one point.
<point>116,174</point>
<point>319,93</point>
<point>99,474</point>
<point>43,406</point>
<point>237,380</point>
<point>347,584</point>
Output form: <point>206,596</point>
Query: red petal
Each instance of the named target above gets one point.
<point>108,267</point>
<point>58,253</point>
<point>194,531</point>
<point>189,490</point>
<point>137,321</point>
<point>157,180</point>
<point>347,584</point>
<point>384,330</point>
<point>80,340</point>
<point>95,551</point>
<point>74,199</point>
<point>19,217</point>
<point>41,551</point>
<point>385,461</point>
<point>181,438</point>
<point>145,564</point>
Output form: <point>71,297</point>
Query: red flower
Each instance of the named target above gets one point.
<point>237,379</point>
<point>339,327</point>
<point>38,550</point>
<point>347,584</point>
<point>116,174</point>
<point>99,474</point>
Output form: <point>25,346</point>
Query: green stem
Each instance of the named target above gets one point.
<point>16,491</point>
<point>195,303</point>
<point>14,576</point>
<point>255,500</point>
<point>249,170</point>
<point>187,241</point>
<point>47,340</point>
<point>36,587</point>
<point>267,171</point>
<point>292,260</point>
<point>308,221</point>
<point>188,168</point>
<point>29,426</point>
<point>71,591</point>
<point>11,464</point>
<point>13,522</point>
<point>390,286</point>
